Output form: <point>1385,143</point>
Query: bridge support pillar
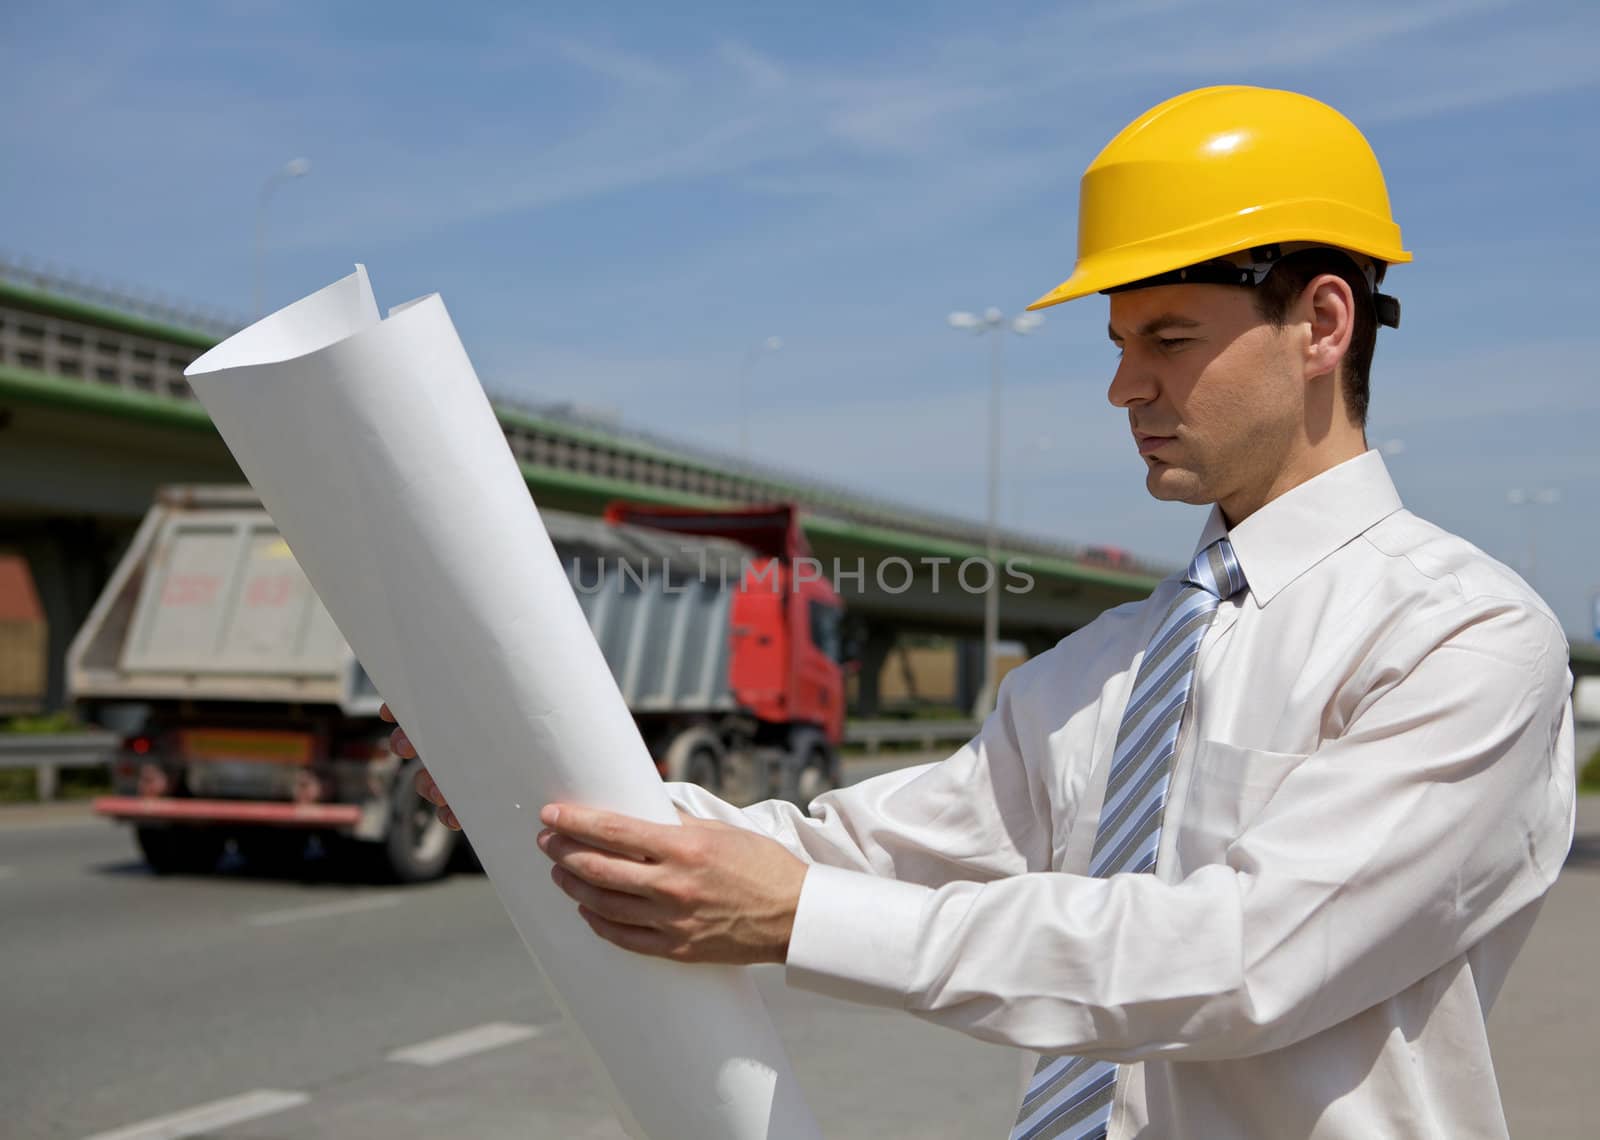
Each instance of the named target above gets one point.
<point>969,672</point>
<point>70,560</point>
<point>875,644</point>
<point>1034,644</point>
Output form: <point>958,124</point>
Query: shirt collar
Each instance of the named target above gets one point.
<point>1305,524</point>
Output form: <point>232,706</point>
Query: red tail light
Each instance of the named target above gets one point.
<point>138,745</point>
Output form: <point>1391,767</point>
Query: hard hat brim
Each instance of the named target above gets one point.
<point>1126,266</point>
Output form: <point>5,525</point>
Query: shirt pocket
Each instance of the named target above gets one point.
<point>1228,786</point>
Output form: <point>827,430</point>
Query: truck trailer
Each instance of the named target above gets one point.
<point>244,715</point>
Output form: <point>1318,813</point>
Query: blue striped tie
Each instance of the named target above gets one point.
<point>1070,1098</point>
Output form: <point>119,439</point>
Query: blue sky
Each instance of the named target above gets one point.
<point>617,201</point>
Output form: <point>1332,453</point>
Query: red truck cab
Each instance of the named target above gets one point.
<point>785,667</point>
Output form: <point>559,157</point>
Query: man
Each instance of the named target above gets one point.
<point>1250,858</point>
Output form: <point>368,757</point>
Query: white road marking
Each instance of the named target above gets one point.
<point>207,1117</point>
<point>464,1044</point>
<point>324,910</point>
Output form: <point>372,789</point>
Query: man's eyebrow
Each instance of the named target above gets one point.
<point>1158,323</point>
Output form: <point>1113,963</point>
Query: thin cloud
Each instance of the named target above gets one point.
<point>759,71</point>
<point>623,68</point>
<point>1518,63</point>
<point>905,116</point>
<point>673,120</point>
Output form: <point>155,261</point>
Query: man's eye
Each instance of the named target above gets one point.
<point>1172,341</point>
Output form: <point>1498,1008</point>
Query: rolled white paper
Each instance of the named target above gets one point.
<point>375,450</point>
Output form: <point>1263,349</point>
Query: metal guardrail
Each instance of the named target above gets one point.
<point>874,734</point>
<point>131,299</point>
<point>46,753</point>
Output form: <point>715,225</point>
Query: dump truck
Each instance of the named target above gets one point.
<point>245,718</point>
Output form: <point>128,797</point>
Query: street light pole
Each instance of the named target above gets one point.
<point>294,168</point>
<point>991,594</point>
<point>771,344</point>
<point>993,321</point>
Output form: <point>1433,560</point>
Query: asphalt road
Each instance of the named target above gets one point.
<point>278,1005</point>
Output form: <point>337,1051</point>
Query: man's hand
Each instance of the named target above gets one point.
<point>702,892</point>
<point>402,747</point>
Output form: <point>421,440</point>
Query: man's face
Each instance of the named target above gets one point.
<point>1213,394</point>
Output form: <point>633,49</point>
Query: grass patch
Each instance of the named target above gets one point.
<point>20,785</point>
<point>1589,775</point>
<point>47,723</point>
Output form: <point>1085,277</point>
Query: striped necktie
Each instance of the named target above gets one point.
<point>1070,1097</point>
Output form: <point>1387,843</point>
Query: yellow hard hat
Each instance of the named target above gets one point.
<point>1222,170</point>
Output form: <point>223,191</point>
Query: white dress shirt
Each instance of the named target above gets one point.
<point>1372,792</point>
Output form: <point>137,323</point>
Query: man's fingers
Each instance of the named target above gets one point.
<point>620,833</point>
<point>399,742</point>
<point>639,939</point>
<point>631,910</point>
<point>605,870</point>
<point>429,791</point>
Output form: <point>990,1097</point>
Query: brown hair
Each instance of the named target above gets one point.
<point>1288,280</point>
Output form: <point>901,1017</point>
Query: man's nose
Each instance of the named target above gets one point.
<point>1130,385</point>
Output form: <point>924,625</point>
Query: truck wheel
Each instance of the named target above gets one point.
<point>418,847</point>
<point>811,767</point>
<point>695,756</point>
<point>180,850</point>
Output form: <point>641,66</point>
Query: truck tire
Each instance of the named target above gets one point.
<point>180,850</point>
<point>696,756</point>
<point>418,847</point>
<point>811,768</point>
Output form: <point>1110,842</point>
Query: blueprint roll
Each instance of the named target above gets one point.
<point>375,450</point>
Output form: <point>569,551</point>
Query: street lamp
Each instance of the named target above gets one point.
<point>993,321</point>
<point>1542,497</point>
<point>771,344</point>
<point>294,168</point>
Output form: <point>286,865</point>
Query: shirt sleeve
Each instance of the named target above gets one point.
<point>979,815</point>
<point>987,812</point>
<point>1444,808</point>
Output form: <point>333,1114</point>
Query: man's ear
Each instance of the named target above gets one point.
<point>1329,308</point>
